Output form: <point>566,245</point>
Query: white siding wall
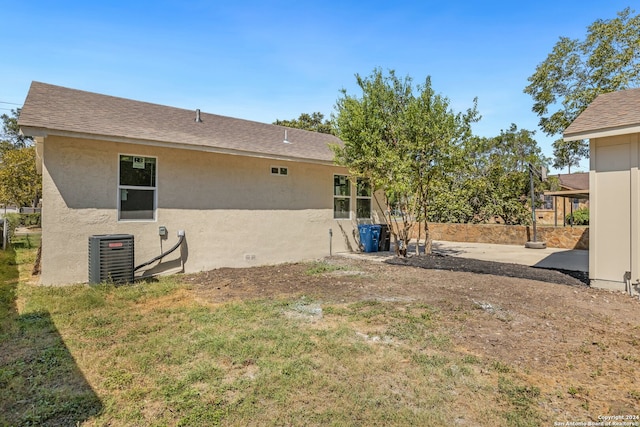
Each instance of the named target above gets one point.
<point>613,248</point>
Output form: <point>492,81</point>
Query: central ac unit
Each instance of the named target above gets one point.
<point>111,258</point>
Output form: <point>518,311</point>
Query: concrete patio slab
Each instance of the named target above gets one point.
<point>555,258</point>
<point>565,259</point>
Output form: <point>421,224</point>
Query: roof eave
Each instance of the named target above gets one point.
<point>38,132</point>
<point>578,194</point>
<point>601,133</point>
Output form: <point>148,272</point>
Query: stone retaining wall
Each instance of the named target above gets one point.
<point>556,237</point>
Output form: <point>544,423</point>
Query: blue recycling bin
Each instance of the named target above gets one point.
<point>369,237</point>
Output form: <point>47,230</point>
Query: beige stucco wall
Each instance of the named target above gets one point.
<point>614,211</point>
<point>234,212</point>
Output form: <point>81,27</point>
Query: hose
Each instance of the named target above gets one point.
<point>162,255</point>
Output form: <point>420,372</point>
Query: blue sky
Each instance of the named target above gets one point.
<point>268,60</point>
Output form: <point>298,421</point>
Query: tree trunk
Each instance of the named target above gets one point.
<point>427,233</point>
<point>427,239</point>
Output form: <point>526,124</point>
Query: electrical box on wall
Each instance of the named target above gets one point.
<point>162,231</point>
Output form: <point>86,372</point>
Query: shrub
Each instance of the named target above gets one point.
<point>580,217</point>
<point>13,222</point>
<point>30,219</point>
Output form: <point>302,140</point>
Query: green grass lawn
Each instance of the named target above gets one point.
<point>151,354</point>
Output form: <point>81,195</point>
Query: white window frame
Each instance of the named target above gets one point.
<point>137,187</point>
<point>279,172</point>
<point>359,197</point>
<point>348,196</point>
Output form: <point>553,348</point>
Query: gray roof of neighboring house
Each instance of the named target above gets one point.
<point>56,110</point>
<point>574,181</point>
<point>609,114</point>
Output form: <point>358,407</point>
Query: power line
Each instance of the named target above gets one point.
<point>10,103</point>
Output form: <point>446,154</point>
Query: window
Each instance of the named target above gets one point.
<point>363,199</point>
<point>341,197</point>
<point>137,188</point>
<point>576,204</point>
<point>547,202</point>
<point>277,170</point>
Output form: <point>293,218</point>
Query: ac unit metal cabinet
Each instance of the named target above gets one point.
<point>111,258</point>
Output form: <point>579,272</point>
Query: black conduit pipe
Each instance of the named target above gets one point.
<point>162,255</point>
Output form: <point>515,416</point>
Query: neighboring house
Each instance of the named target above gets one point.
<point>572,195</point>
<point>611,123</point>
<point>245,193</point>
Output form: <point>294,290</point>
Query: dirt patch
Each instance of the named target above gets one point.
<point>580,346</point>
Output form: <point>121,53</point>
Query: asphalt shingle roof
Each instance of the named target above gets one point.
<point>574,181</point>
<point>608,111</point>
<point>63,110</point>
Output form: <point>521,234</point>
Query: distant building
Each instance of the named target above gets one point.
<point>572,195</point>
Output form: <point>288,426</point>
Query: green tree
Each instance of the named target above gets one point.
<point>576,71</point>
<point>314,122</point>
<point>509,156</point>
<point>404,139</point>
<point>10,138</point>
<point>568,153</point>
<point>20,183</point>
<point>493,182</point>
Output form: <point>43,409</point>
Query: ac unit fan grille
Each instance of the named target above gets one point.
<point>111,258</point>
